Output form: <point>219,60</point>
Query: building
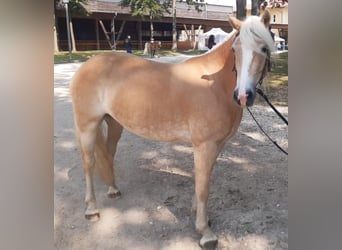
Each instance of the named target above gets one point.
<point>95,30</point>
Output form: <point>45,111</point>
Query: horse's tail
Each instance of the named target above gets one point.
<point>103,158</point>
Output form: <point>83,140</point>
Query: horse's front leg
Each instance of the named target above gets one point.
<point>205,156</point>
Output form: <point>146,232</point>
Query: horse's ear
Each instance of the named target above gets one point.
<point>236,23</point>
<point>266,18</point>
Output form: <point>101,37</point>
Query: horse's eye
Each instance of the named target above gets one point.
<point>264,49</point>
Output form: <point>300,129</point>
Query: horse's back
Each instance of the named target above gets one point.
<point>136,92</point>
<point>167,102</point>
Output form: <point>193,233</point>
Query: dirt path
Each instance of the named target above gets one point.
<point>247,203</point>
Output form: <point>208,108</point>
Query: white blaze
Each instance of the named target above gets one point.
<point>245,81</point>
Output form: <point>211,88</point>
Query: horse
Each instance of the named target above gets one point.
<point>198,101</point>
<point>152,48</point>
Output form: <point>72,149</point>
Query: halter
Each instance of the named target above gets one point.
<point>267,65</point>
<point>266,68</point>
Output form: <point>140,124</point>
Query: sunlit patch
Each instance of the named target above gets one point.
<point>62,92</point>
<point>149,155</point>
<point>62,175</point>
<point>163,214</point>
<point>174,170</point>
<point>251,149</point>
<point>135,216</point>
<point>67,144</point>
<point>255,136</point>
<point>165,165</point>
<point>251,241</point>
<point>180,243</point>
<point>183,149</point>
<point>105,225</point>
<point>238,160</point>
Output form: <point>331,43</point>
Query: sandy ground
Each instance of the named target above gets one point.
<point>248,196</point>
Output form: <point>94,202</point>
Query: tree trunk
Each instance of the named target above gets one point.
<point>174,26</point>
<point>241,9</point>
<point>151,26</point>
<point>255,7</point>
<point>56,49</point>
<point>72,35</point>
<point>120,31</point>
<point>97,34</point>
<point>193,37</point>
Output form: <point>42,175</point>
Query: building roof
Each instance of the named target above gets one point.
<point>209,11</point>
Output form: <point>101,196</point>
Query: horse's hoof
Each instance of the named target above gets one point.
<point>114,195</point>
<point>92,217</point>
<point>209,245</point>
<point>208,241</point>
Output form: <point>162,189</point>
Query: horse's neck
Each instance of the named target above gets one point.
<point>220,56</point>
<point>220,62</point>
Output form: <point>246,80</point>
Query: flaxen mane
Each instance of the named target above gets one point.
<point>254,32</point>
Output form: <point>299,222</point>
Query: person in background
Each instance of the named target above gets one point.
<point>128,44</point>
<point>211,41</point>
<point>272,34</point>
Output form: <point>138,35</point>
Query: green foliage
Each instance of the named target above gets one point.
<point>276,83</point>
<point>152,8</point>
<point>194,3</point>
<point>74,6</point>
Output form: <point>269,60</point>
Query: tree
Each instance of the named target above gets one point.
<point>152,8</point>
<point>174,17</point>
<point>74,7</point>
<point>241,9</point>
<point>156,9</point>
<point>174,26</point>
<point>256,7</point>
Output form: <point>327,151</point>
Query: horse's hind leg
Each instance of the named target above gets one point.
<point>114,134</point>
<point>87,138</point>
<point>205,156</point>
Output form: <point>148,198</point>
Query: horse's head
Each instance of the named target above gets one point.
<point>252,46</point>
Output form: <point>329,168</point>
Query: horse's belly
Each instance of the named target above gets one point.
<point>161,132</point>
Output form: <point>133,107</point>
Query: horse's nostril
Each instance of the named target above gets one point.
<point>236,99</point>
<point>250,97</point>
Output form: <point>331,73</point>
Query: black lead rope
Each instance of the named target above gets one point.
<point>260,92</point>
<point>274,142</point>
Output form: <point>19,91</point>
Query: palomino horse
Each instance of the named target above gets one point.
<point>152,48</point>
<point>198,101</point>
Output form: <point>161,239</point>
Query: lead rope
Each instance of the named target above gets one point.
<point>260,92</point>
<point>274,142</point>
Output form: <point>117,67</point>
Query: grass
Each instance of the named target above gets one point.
<point>79,56</point>
<point>275,85</point>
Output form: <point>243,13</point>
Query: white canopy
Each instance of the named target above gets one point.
<point>278,39</point>
<point>219,34</point>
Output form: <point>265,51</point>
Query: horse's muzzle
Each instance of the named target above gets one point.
<point>245,100</point>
